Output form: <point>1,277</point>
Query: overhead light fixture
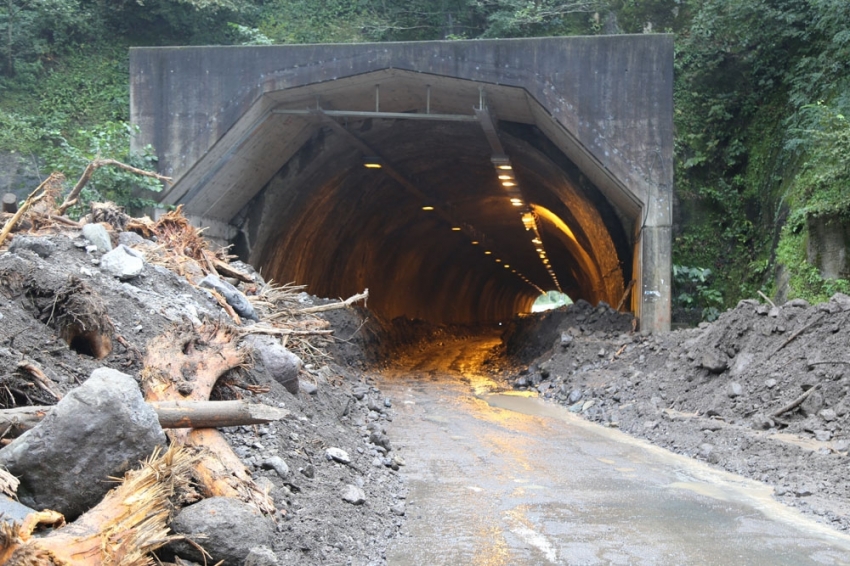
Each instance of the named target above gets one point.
<point>536,241</point>
<point>455,228</point>
<point>372,162</point>
<point>517,203</point>
<point>427,207</point>
<point>474,242</point>
<point>505,167</point>
<point>508,184</point>
<point>507,266</point>
<point>488,252</point>
<point>498,260</point>
<point>506,176</point>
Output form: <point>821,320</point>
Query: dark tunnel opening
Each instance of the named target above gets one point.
<point>327,222</point>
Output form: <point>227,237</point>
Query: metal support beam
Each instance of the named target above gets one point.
<point>382,115</point>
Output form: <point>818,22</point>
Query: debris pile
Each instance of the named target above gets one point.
<point>131,349</point>
<point>762,391</point>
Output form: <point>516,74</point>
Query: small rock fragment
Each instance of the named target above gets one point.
<point>277,464</point>
<point>338,455</point>
<point>735,390</point>
<point>353,494</point>
<point>42,247</point>
<point>231,294</point>
<point>123,263</point>
<point>261,556</point>
<point>98,236</point>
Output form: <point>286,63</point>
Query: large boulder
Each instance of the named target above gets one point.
<point>96,432</point>
<point>279,363</point>
<point>225,527</point>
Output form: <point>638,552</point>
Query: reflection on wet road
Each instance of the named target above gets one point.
<point>509,480</point>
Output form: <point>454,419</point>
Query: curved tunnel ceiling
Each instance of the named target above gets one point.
<point>327,221</point>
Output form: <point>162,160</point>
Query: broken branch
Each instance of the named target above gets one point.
<point>793,404</point>
<point>273,331</point>
<point>797,333</point>
<point>74,195</point>
<point>33,198</point>
<point>766,298</point>
<point>334,306</point>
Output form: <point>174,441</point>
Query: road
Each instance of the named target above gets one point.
<point>501,479</point>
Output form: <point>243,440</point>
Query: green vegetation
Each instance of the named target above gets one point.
<point>762,98</point>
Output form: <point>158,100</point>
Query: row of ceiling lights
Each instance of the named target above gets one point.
<point>504,171</point>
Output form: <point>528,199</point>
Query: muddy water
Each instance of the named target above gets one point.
<point>499,479</point>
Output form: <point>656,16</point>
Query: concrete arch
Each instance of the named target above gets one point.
<point>266,146</point>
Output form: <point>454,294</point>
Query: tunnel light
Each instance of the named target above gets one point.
<point>508,184</point>
<point>507,266</point>
<point>536,241</point>
<point>372,162</point>
<point>498,260</point>
<point>506,176</point>
<point>455,228</point>
<point>474,242</point>
<point>488,252</point>
<point>517,203</point>
<point>505,167</point>
<point>538,250</point>
<point>427,208</point>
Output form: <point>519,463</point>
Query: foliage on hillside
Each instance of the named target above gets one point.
<point>761,99</point>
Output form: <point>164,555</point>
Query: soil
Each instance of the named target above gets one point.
<point>722,392</point>
<point>44,302</point>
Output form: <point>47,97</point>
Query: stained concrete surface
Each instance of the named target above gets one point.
<point>503,479</point>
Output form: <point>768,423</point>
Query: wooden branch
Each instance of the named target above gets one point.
<point>829,362</point>
<point>274,331</point>
<point>793,404</point>
<point>766,298</point>
<point>797,333</point>
<point>31,200</point>
<point>74,195</point>
<point>227,270</point>
<point>65,221</point>
<point>334,306</point>
<point>171,414</point>
<point>40,378</point>
<point>625,295</point>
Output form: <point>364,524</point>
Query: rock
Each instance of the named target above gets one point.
<point>308,388</point>
<point>379,439</point>
<point>261,556</point>
<point>588,404</point>
<point>232,529</point>
<point>231,294</point>
<point>123,263</point>
<point>398,509</point>
<point>277,464</point>
<point>741,364</point>
<point>705,450</point>
<point>812,404</point>
<point>131,239</point>
<point>388,403</point>
<point>338,455</point>
<point>841,300</point>
<point>308,471</point>
<point>803,491</point>
<point>60,471</point>
<point>566,339</point>
<point>770,383</point>
<point>12,511</point>
<point>353,494</point>
<point>282,365</point>
<point>359,392</point>
<point>97,235</point>
<point>42,247</point>
<point>827,414</point>
<point>735,390</point>
<point>797,303</point>
<point>714,361</point>
<point>521,382</point>
<point>823,435</point>
<point>773,312</point>
<point>575,396</point>
<point>841,445</point>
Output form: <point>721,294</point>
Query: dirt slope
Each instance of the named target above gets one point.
<point>723,392</point>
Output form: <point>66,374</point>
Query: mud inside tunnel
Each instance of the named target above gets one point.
<point>497,173</point>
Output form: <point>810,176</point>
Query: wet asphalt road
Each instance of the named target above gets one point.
<point>511,480</point>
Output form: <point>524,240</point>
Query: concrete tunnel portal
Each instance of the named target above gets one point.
<point>457,181</point>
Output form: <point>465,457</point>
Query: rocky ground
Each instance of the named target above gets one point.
<point>328,466</point>
<point>762,391</point>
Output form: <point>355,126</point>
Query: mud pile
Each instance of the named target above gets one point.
<point>327,468</point>
<point>762,391</point>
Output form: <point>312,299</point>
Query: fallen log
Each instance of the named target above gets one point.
<point>184,365</point>
<point>10,203</point>
<point>171,414</point>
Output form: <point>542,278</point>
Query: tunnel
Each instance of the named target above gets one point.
<point>457,181</point>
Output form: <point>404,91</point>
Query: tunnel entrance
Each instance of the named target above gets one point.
<point>455,180</point>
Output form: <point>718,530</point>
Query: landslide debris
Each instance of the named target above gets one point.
<point>761,392</point>
<point>172,308</point>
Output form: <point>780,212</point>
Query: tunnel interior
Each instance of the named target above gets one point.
<point>433,233</point>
